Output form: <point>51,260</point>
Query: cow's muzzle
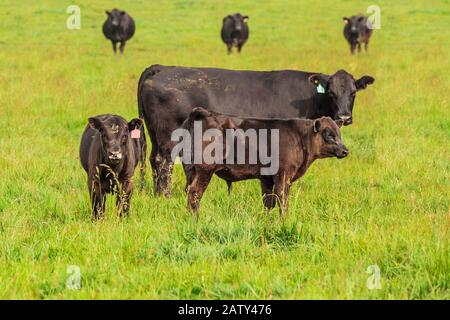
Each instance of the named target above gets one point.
<point>115,155</point>
<point>342,152</point>
<point>347,120</point>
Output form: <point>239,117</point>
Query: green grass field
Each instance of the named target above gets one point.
<point>387,204</point>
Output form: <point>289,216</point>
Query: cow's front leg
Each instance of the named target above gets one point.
<point>98,198</point>
<point>281,189</point>
<point>122,46</point>
<point>114,45</point>
<point>359,46</point>
<point>269,198</point>
<point>198,185</point>
<point>124,197</point>
<point>229,47</point>
<point>352,47</point>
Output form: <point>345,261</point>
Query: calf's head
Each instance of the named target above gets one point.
<point>237,21</point>
<point>114,16</point>
<point>341,88</point>
<point>114,136</point>
<point>353,24</point>
<point>327,138</point>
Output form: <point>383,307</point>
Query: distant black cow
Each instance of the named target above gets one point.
<point>235,31</point>
<point>166,96</point>
<point>299,143</point>
<point>357,30</point>
<point>110,150</point>
<point>118,27</point>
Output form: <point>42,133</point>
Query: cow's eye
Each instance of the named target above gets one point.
<point>332,94</point>
<point>353,94</point>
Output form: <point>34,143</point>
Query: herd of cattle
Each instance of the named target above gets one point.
<point>307,108</point>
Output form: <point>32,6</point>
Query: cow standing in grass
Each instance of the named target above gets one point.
<point>235,31</point>
<point>357,31</point>
<point>167,94</point>
<point>110,150</point>
<point>119,27</point>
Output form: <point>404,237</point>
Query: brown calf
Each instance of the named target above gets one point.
<point>300,142</point>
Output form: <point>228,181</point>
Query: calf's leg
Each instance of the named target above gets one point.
<point>124,197</point>
<point>97,199</point>
<point>269,199</point>
<point>281,189</point>
<point>197,187</point>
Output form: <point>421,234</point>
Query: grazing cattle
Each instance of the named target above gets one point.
<point>166,96</point>
<point>118,27</point>
<point>298,144</point>
<point>110,150</point>
<point>235,31</point>
<point>357,30</point>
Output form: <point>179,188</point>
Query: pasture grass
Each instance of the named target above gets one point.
<point>387,204</point>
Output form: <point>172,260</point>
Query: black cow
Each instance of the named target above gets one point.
<point>166,96</point>
<point>357,30</point>
<point>110,150</point>
<point>235,31</point>
<point>118,27</point>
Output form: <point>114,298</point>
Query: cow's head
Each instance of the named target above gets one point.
<point>115,136</point>
<point>327,138</point>
<point>114,16</point>
<point>341,90</point>
<point>353,23</point>
<point>238,21</point>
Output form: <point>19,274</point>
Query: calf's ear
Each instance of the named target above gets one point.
<point>95,123</point>
<point>318,78</point>
<point>122,12</point>
<point>245,19</point>
<point>135,124</point>
<point>316,125</point>
<point>345,19</point>
<point>107,12</point>
<point>363,82</point>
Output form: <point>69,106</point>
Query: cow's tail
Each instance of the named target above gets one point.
<point>149,72</point>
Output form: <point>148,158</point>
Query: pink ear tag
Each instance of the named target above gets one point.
<point>135,134</point>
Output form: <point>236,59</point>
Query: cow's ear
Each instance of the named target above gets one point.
<point>346,20</point>
<point>135,124</point>
<point>122,13</point>
<point>107,12</point>
<point>95,123</point>
<point>360,19</point>
<point>363,82</point>
<point>317,79</point>
<point>316,125</point>
<point>245,19</point>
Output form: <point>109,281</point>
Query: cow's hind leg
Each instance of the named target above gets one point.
<point>162,167</point>
<point>198,185</point>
